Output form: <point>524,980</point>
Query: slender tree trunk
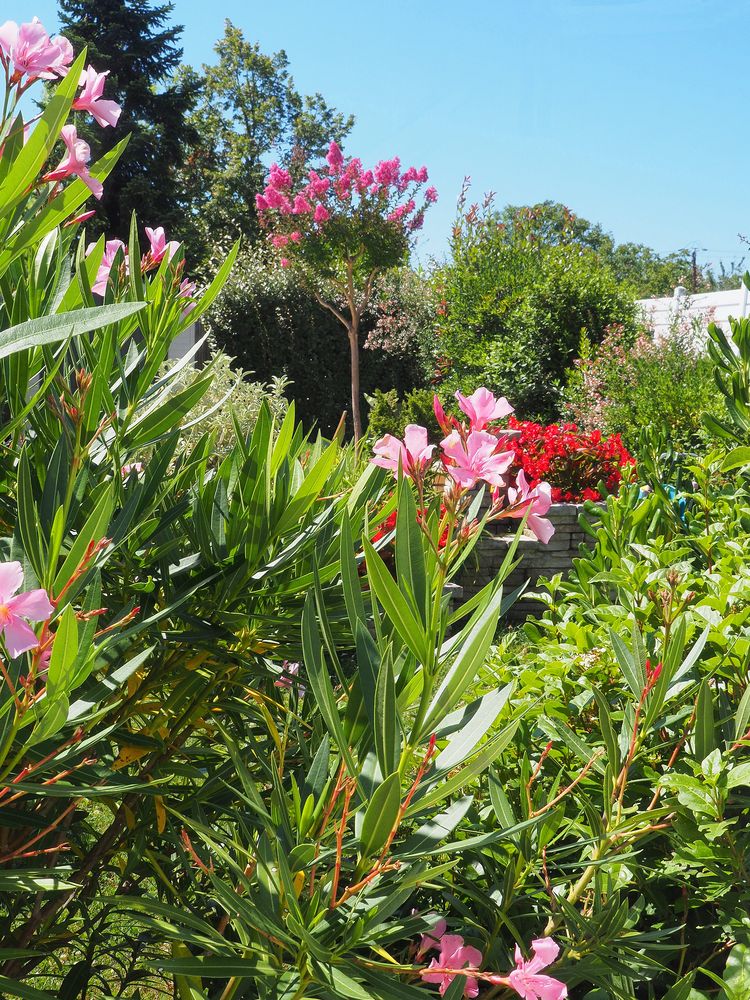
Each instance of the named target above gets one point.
<point>353,330</point>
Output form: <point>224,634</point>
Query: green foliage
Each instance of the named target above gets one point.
<point>625,384</point>
<point>648,273</point>
<point>731,359</point>
<point>273,326</point>
<point>515,310</point>
<point>390,414</point>
<point>135,43</point>
<point>247,109</point>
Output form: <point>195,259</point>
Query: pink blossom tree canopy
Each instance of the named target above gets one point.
<point>343,227</point>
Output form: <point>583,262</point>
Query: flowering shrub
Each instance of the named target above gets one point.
<point>628,382</point>
<point>573,461</point>
<point>341,229</point>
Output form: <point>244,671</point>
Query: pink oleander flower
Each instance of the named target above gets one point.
<point>538,501</point>
<point>111,249</point>
<point>525,978</point>
<point>90,98</point>
<point>475,459</point>
<point>187,291</point>
<point>33,605</point>
<point>454,956</point>
<point>75,162</point>
<point>160,248</point>
<point>481,407</point>
<point>432,938</point>
<point>334,157</point>
<point>321,214</point>
<point>136,467</point>
<point>289,676</point>
<point>413,452</point>
<point>443,422</point>
<point>78,219</point>
<point>32,52</point>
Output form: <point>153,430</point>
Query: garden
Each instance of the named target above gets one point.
<point>258,736</point>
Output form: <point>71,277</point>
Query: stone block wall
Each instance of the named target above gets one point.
<point>536,558</point>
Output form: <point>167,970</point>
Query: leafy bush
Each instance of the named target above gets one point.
<point>390,414</point>
<point>514,310</point>
<point>231,406</point>
<point>624,384</point>
<point>268,321</point>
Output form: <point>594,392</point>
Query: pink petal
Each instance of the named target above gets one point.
<point>415,439</point>
<point>544,530</point>
<point>545,952</point>
<point>11,578</point>
<point>34,604</point>
<point>19,637</point>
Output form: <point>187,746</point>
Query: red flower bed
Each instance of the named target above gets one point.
<point>573,461</point>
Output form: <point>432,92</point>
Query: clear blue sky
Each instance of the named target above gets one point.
<point>632,112</point>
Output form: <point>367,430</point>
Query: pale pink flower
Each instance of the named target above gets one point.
<point>111,249</point>
<point>432,938</point>
<point>33,604</point>
<point>90,98</point>
<point>321,214</point>
<point>160,248</point>
<point>475,458</point>
<point>32,52</point>
<point>75,162</point>
<point>454,955</point>
<point>536,501</point>
<point>136,467</point>
<point>187,291</point>
<point>413,453</point>
<point>481,407</point>
<point>525,978</point>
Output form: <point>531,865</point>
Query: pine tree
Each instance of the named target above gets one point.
<point>135,41</point>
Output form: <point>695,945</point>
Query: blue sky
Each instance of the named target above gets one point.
<point>632,112</point>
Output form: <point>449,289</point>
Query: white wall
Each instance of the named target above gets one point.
<point>708,307</point>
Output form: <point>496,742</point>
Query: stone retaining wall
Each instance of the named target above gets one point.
<point>536,558</point>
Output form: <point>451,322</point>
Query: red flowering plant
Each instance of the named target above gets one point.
<point>576,463</point>
<point>471,454</point>
<point>343,228</point>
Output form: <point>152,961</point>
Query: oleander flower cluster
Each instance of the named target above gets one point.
<point>455,958</point>
<point>28,54</point>
<point>472,454</point>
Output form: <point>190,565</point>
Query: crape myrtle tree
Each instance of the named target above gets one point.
<point>248,109</point>
<point>136,44</point>
<point>341,229</point>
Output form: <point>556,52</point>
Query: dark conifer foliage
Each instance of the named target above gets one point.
<point>137,43</point>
